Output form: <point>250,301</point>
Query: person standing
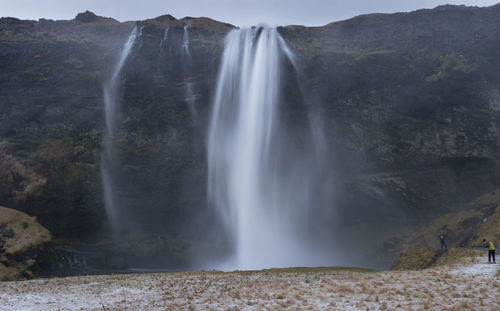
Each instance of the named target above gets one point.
<point>491,250</point>
<point>443,242</point>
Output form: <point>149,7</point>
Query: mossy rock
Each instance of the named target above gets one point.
<point>487,199</point>
<point>457,227</point>
<point>22,240</point>
<point>489,230</point>
<point>465,228</point>
<point>415,259</point>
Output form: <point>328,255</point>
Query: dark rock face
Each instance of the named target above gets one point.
<point>410,105</point>
<point>411,101</point>
<point>51,119</point>
<point>52,122</point>
<point>89,17</point>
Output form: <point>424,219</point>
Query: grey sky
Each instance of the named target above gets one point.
<point>237,12</point>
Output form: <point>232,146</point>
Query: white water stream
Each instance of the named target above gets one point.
<point>111,88</point>
<point>259,186</point>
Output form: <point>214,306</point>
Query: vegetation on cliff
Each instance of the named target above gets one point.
<point>463,231</point>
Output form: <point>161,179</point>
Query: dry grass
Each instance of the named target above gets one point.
<point>490,230</point>
<point>442,288</point>
<point>317,269</point>
<point>8,273</point>
<point>414,259</point>
<point>456,256</point>
<point>19,233</point>
<point>27,231</point>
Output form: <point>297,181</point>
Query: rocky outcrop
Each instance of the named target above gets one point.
<point>89,17</point>
<point>23,245</point>
<point>464,229</point>
<point>415,259</point>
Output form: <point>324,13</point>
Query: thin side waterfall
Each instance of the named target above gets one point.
<point>165,36</point>
<point>189,88</point>
<point>185,42</point>
<point>111,88</point>
<point>190,99</point>
<point>259,184</point>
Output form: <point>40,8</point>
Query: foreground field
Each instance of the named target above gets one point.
<point>473,285</point>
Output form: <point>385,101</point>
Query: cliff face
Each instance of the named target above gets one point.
<point>410,105</point>
<point>52,115</point>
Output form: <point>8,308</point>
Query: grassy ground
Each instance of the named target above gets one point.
<point>414,259</point>
<point>473,285</point>
<point>317,269</point>
<point>459,256</point>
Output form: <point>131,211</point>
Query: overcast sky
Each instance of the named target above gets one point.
<point>237,12</point>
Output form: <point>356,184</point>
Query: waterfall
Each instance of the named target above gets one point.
<point>185,42</point>
<point>259,184</point>
<point>190,99</point>
<point>165,37</point>
<point>187,71</point>
<point>111,88</point>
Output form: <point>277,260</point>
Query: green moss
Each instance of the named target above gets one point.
<point>414,259</point>
<point>450,62</point>
<point>489,230</point>
<point>490,198</point>
<point>70,162</point>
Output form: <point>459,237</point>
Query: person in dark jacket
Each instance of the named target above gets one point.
<point>442,238</point>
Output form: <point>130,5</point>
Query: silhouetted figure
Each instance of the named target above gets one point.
<point>491,250</point>
<point>442,238</point>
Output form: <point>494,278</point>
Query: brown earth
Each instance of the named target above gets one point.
<point>469,285</point>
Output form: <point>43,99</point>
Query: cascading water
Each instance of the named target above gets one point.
<point>258,182</point>
<point>185,42</point>
<point>110,114</point>
<point>190,99</point>
<point>165,36</point>
<point>190,95</point>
